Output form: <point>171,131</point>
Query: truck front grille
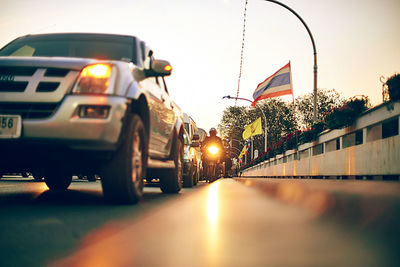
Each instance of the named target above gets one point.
<point>20,83</point>
<point>29,110</point>
<point>29,71</point>
<point>18,71</point>
<point>56,72</point>
<point>47,86</point>
<point>15,87</point>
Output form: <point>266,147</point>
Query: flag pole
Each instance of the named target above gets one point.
<point>265,127</point>
<point>252,155</point>
<point>291,86</point>
<point>294,105</point>
<point>265,137</point>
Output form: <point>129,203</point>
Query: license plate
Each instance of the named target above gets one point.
<point>10,126</point>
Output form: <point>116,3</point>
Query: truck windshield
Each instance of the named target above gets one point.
<point>83,46</point>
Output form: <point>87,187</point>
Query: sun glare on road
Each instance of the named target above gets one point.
<point>212,205</point>
<point>213,234</point>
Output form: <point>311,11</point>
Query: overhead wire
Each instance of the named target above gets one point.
<point>242,49</point>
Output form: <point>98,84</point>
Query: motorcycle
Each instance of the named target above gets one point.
<point>212,160</point>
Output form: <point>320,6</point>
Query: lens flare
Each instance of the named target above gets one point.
<point>213,150</point>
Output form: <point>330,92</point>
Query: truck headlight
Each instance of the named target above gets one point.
<point>95,79</point>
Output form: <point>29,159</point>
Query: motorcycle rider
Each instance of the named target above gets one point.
<point>212,139</point>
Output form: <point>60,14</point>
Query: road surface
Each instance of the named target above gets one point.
<point>227,223</point>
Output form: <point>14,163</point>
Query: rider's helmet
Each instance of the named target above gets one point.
<point>213,132</point>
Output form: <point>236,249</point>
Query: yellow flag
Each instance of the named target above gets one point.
<point>254,128</point>
<point>243,152</point>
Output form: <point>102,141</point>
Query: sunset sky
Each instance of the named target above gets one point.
<point>357,42</point>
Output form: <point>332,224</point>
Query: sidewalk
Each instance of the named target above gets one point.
<point>229,224</point>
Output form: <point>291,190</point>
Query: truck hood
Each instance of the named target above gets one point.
<point>47,62</point>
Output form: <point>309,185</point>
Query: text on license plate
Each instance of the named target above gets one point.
<point>10,126</point>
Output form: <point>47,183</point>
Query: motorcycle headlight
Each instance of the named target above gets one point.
<point>95,79</point>
<point>213,150</point>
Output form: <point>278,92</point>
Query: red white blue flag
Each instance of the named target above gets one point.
<point>247,147</point>
<point>278,84</point>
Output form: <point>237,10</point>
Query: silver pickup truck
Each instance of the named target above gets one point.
<point>89,103</point>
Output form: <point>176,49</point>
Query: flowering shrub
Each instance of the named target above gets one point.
<point>311,134</point>
<point>279,149</point>
<point>393,84</point>
<point>345,115</point>
<point>291,140</point>
<point>270,153</point>
<point>306,135</point>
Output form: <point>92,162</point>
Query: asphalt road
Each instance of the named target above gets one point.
<point>231,222</point>
<point>38,226</point>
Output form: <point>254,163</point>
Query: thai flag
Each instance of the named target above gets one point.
<point>278,84</point>
<point>247,147</point>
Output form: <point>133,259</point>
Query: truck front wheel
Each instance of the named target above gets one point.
<point>58,180</point>
<point>122,177</point>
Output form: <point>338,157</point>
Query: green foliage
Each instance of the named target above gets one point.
<point>280,122</point>
<point>393,84</point>
<point>326,101</point>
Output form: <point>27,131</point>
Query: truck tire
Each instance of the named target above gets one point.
<point>91,177</point>
<point>188,179</point>
<point>171,179</point>
<point>122,177</point>
<point>58,180</point>
<point>196,176</point>
<point>37,175</point>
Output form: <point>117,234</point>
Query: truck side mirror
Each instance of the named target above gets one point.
<point>196,137</point>
<point>159,68</point>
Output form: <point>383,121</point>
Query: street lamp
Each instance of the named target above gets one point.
<point>236,149</point>
<point>314,49</point>
<point>265,118</point>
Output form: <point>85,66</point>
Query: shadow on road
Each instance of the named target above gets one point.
<point>80,196</point>
<point>38,225</point>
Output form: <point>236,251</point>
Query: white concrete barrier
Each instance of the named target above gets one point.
<point>369,147</point>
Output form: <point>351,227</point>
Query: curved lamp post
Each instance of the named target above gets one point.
<point>237,150</point>
<point>315,53</point>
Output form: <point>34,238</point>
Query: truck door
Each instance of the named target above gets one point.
<point>168,116</point>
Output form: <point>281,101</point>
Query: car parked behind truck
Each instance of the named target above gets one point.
<point>193,168</point>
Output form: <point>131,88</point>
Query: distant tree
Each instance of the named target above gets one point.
<point>280,119</point>
<point>280,122</point>
<point>232,124</point>
<point>326,101</point>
